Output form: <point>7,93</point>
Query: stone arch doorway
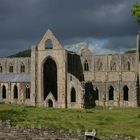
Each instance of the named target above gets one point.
<point>50,78</point>
<point>50,103</point>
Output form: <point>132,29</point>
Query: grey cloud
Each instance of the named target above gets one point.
<point>29,19</point>
<point>120,43</point>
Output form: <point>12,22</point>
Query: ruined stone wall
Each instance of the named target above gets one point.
<point>73,82</point>
<point>10,79</point>
<point>8,132</point>
<point>59,56</point>
<point>16,63</point>
<point>18,133</point>
<point>116,70</point>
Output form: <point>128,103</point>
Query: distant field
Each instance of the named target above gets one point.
<point>105,121</point>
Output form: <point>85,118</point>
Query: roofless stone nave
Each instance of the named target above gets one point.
<point>55,77</point>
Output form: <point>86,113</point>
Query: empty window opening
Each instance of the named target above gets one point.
<point>86,66</point>
<point>22,68</point>
<point>73,95</point>
<point>48,44</point>
<point>50,103</point>
<point>128,65</point>
<point>0,69</point>
<point>3,92</point>
<point>15,92</point>
<point>11,68</point>
<point>27,92</point>
<point>125,93</point>
<point>111,93</point>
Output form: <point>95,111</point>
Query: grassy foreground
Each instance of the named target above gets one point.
<point>105,121</point>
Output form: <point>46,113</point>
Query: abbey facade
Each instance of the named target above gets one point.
<point>55,77</point>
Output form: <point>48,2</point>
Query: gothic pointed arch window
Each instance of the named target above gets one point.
<point>48,44</point>
<point>15,90</point>
<point>11,68</point>
<point>111,93</point>
<point>3,92</point>
<point>86,66</point>
<point>73,95</point>
<point>125,93</point>
<point>128,66</point>
<point>50,78</point>
<point>22,68</point>
<point>1,68</point>
<point>27,92</point>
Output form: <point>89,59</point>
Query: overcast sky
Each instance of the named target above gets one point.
<point>106,25</point>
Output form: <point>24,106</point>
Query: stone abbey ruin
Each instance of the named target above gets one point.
<point>55,77</point>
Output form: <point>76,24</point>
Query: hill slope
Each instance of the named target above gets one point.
<point>25,53</point>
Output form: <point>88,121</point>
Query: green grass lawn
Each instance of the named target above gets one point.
<point>105,121</point>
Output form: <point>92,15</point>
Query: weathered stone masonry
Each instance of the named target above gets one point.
<point>55,77</point>
<point>8,132</point>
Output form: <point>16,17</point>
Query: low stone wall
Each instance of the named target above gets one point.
<point>19,133</point>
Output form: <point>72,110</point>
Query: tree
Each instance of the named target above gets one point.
<point>136,12</point>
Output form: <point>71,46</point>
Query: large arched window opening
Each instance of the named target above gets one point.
<point>111,93</point>
<point>73,95</point>
<point>86,66</point>
<point>125,93</point>
<point>96,94</point>
<point>48,44</point>
<point>50,78</point>
<point>15,92</point>
<point>27,92</point>
<point>22,68</point>
<point>3,92</point>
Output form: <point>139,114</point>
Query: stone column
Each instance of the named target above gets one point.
<point>66,71</point>
<point>82,98</point>
<point>138,68</point>
<point>9,92</point>
<point>33,75</point>
<point>21,93</point>
<point>135,101</point>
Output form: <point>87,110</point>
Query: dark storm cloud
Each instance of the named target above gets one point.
<point>23,23</point>
<point>120,44</point>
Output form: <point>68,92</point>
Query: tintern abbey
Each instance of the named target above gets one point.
<point>56,77</point>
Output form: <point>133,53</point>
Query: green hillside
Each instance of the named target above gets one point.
<point>130,51</point>
<point>25,53</point>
